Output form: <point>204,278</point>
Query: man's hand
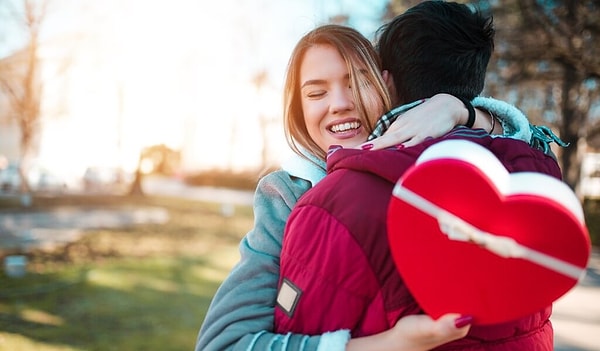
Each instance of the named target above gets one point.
<point>415,333</point>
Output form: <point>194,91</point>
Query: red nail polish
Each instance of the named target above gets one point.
<point>463,321</point>
<point>367,146</point>
<point>400,146</point>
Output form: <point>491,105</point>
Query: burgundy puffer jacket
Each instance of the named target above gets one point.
<point>336,267</point>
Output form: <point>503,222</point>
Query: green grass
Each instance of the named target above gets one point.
<point>141,288</point>
<point>145,287</point>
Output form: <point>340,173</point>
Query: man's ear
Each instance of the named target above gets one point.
<point>386,75</point>
<point>389,82</point>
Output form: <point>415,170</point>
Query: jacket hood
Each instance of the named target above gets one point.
<point>388,164</point>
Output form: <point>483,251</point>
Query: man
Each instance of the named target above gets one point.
<point>336,267</point>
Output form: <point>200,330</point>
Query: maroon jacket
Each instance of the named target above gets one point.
<point>336,267</point>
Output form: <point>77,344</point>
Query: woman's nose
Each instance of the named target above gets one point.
<point>342,100</point>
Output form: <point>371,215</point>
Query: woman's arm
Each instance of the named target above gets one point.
<point>442,112</point>
<point>240,316</point>
<point>516,125</point>
<point>432,118</point>
<point>513,122</point>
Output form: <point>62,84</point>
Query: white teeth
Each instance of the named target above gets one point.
<point>343,127</point>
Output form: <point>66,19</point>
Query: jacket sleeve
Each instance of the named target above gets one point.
<point>514,122</point>
<point>240,316</point>
<point>517,126</point>
<point>333,290</point>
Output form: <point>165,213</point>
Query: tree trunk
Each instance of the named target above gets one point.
<point>25,197</point>
<point>136,187</point>
<point>570,126</point>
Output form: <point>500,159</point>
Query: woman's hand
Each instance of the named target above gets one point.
<point>431,119</point>
<point>415,333</point>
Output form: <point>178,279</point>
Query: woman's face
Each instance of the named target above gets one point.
<point>328,105</point>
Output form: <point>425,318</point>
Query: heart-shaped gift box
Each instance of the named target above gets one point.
<point>468,237</point>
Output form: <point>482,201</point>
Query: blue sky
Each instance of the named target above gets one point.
<point>364,15</point>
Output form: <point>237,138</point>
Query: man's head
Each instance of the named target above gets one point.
<point>436,47</point>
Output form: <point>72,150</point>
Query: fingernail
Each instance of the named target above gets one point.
<point>463,321</point>
<point>400,146</point>
<point>367,146</point>
<point>428,138</point>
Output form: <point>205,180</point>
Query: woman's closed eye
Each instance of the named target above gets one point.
<point>315,94</point>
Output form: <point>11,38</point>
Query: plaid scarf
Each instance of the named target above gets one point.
<point>385,121</point>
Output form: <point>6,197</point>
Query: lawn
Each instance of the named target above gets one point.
<point>145,287</point>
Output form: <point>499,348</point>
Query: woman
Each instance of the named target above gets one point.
<point>346,98</point>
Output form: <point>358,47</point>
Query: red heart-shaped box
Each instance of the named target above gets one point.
<point>470,238</point>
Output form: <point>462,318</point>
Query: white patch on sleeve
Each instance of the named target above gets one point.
<point>288,297</point>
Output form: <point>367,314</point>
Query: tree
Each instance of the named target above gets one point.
<point>260,79</point>
<point>20,82</point>
<point>547,62</point>
<point>555,45</point>
<point>158,159</point>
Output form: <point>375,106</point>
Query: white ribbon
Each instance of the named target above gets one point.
<point>458,229</point>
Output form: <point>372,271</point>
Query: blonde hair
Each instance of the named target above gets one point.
<point>364,68</point>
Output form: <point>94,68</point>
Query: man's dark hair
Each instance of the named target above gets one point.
<point>437,47</point>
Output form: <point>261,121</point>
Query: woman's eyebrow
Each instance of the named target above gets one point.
<point>319,81</point>
<point>312,82</point>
